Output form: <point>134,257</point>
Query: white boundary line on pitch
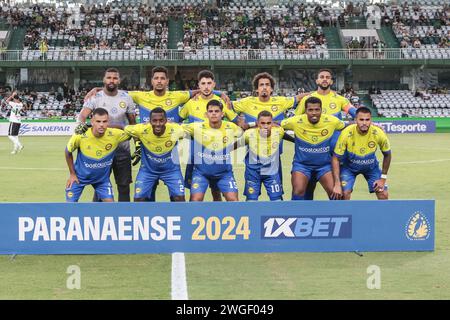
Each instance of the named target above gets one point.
<point>42,169</point>
<point>179,282</point>
<point>423,161</point>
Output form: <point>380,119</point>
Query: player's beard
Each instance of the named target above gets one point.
<point>324,88</point>
<point>111,87</point>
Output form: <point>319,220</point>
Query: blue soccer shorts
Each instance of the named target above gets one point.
<point>348,178</point>
<point>311,171</point>
<point>146,180</point>
<point>253,181</point>
<point>224,183</point>
<point>103,190</point>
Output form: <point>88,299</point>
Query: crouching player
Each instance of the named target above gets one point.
<point>356,151</point>
<point>96,150</point>
<point>160,159</point>
<point>262,158</point>
<point>313,136</point>
<point>214,140</point>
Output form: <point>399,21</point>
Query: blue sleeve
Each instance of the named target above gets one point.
<point>352,112</point>
<point>217,92</point>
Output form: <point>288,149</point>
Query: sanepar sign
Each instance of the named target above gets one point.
<point>408,126</point>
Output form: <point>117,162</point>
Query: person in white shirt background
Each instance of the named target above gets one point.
<point>15,120</point>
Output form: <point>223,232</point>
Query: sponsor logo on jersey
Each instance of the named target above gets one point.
<point>274,108</point>
<point>418,227</point>
<point>122,104</point>
<point>371,144</point>
<point>324,132</point>
<point>333,106</point>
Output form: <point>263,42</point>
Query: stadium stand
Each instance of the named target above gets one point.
<point>401,103</point>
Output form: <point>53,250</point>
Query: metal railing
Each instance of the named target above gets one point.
<point>222,54</point>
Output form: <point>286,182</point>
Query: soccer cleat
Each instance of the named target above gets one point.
<point>14,151</point>
<point>20,148</point>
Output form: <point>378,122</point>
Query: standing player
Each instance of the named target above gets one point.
<point>356,149</point>
<point>15,121</point>
<point>262,158</point>
<point>96,149</point>
<point>313,134</point>
<point>332,104</point>
<point>160,160</point>
<point>121,112</point>
<point>195,111</point>
<point>213,142</point>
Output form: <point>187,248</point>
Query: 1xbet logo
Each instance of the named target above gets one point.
<point>306,227</point>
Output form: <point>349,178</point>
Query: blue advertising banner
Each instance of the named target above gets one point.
<point>285,226</point>
<point>408,126</point>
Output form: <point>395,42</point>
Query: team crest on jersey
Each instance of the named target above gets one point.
<point>333,106</point>
<point>168,102</point>
<point>324,132</point>
<point>274,108</point>
<point>371,144</point>
<point>99,153</point>
<point>418,227</point>
<point>108,146</point>
<point>158,149</point>
<point>122,104</point>
<point>168,144</point>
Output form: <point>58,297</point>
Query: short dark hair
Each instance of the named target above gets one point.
<point>160,69</point>
<point>363,110</point>
<point>214,103</point>
<point>262,75</point>
<point>158,110</point>
<point>100,112</point>
<point>325,70</point>
<point>112,70</point>
<point>313,100</point>
<point>205,74</point>
<point>264,113</point>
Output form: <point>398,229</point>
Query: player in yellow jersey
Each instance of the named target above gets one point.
<point>96,149</point>
<point>213,142</point>
<point>332,104</point>
<point>195,111</point>
<point>313,133</point>
<point>355,154</point>
<point>262,158</point>
<point>160,159</point>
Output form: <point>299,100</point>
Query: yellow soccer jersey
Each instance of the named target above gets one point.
<point>212,147</point>
<point>95,155</point>
<point>170,102</point>
<point>313,141</point>
<point>332,104</point>
<point>262,151</point>
<point>252,106</point>
<point>195,110</point>
<point>358,152</point>
<point>159,153</point>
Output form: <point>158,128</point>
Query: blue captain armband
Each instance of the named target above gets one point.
<point>217,92</point>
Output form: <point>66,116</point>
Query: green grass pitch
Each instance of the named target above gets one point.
<point>419,171</point>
